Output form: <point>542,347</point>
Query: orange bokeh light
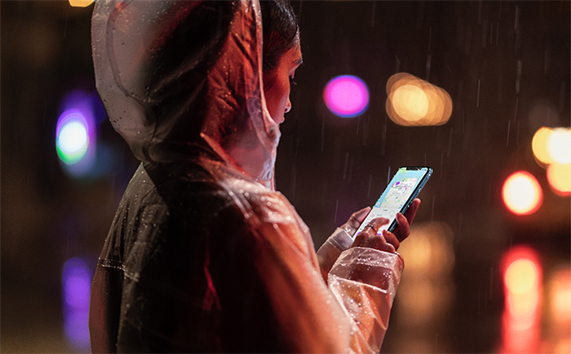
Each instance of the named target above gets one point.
<point>414,102</point>
<point>559,178</point>
<point>539,145</point>
<point>81,3</point>
<point>521,280</point>
<point>560,298</point>
<point>522,194</point>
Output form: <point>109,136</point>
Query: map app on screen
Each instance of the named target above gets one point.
<point>394,198</point>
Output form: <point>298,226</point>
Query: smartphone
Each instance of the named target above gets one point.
<point>397,197</point>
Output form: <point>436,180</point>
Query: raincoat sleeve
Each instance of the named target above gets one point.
<point>371,274</point>
<point>328,253</point>
<point>347,315</point>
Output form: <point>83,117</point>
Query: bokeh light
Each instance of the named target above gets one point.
<point>430,263</point>
<point>346,96</point>
<point>539,145</point>
<point>76,280</point>
<point>560,299</point>
<point>521,280</point>
<point>81,3</point>
<point>552,145</point>
<point>72,139</point>
<point>559,145</point>
<point>410,101</point>
<point>522,194</point>
<point>76,136</point>
<point>559,178</point>
<point>414,102</point>
<point>522,275</point>
<point>559,302</point>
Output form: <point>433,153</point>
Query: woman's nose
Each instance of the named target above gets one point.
<point>288,106</point>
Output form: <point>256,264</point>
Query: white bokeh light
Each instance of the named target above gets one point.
<point>72,138</point>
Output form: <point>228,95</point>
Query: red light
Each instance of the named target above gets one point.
<point>522,276</point>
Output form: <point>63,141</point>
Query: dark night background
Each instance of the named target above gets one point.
<point>499,61</point>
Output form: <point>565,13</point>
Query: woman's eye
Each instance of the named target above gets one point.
<point>291,81</point>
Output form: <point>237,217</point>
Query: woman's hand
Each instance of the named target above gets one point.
<point>355,221</point>
<point>404,221</point>
<point>386,241</point>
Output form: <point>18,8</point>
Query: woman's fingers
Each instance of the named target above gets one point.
<point>403,229</point>
<point>404,221</point>
<point>376,223</point>
<point>385,240</point>
<point>369,237</point>
<point>411,212</point>
<point>391,238</point>
<point>355,220</point>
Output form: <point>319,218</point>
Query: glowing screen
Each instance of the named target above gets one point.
<point>402,187</point>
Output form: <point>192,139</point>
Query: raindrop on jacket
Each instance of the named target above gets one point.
<point>203,255</point>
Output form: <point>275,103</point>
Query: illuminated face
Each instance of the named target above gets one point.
<point>277,84</point>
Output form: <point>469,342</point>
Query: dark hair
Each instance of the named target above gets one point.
<point>280,31</point>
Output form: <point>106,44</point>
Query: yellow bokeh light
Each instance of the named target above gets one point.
<point>559,178</point>
<point>559,145</point>
<point>521,276</point>
<point>522,279</point>
<point>415,102</point>
<point>522,193</point>
<point>560,299</point>
<point>523,289</point>
<point>80,3</point>
<point>539,145</point>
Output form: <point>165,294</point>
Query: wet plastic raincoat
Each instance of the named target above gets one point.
<point>203,255</point>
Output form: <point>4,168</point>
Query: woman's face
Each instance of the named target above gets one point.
<point>277,84</point>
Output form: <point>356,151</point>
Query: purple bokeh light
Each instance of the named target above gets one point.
<point>76,280</point>
<point>346,96</point>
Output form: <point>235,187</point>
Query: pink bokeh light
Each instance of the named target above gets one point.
<point>346,96</point>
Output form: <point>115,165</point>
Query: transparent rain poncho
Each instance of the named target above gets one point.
<point>203,255</point>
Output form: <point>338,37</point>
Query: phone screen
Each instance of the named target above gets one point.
<point>401,191</point>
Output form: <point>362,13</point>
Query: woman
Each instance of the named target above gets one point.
<point>203,255</point>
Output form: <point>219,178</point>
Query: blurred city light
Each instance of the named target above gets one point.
<point>72,139</point>
<point>522,276</point>
<point>76,280</point>
<point>76,140</point>
<point>559,145</point>
<point>346,96</point>
<point>429,264</point>
<point>81,3</point>
<point>552,145</point>
<point>410,101</point>
<point>539,145</point>
<point>559,178</point>
<point>521,280</point>
<point>522,194</point>
<point>414,102</point>
<point>560,299</point>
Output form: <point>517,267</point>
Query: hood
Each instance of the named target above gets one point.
<point>182,80</point>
